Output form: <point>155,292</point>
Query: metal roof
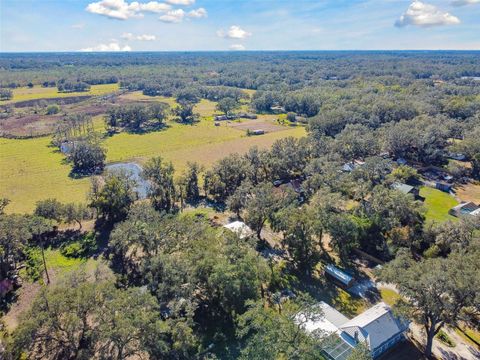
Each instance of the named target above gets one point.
<point>239,228</point>
<point>406,189</point>
<point>375,326</point>
<point>338,274</point>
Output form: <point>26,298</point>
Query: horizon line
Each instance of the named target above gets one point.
<point>228,51</point>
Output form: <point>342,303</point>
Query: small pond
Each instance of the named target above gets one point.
<point>134,170</point>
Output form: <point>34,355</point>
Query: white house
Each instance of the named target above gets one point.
<point>376,327</point>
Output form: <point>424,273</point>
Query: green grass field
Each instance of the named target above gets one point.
<point>389,296</point>
<point>32,171</point>
<point>38,92</point>
<point>437,203</point>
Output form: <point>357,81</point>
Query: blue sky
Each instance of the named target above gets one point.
<point>168,25</point>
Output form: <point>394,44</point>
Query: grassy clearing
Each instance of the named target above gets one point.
<point>55,260</point>
<point>38,92</point>
<point>348,305</point>
<point>202,142</point>
<point>389,296</point>
<point>437,203</point>
<point>32,171</point>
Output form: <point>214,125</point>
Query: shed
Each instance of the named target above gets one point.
<point>443,186</point>
<point>339,276</point>
<point>406,189</point>
<point>258,132</point>
<point>277,109</point>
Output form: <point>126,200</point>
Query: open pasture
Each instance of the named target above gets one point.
<point>266,123</point>
<point>32,170</point>
<point>39,92</point>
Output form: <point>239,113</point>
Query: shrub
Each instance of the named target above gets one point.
<point>80,248</point>
<point>33,262</point>
<point>53,109</point>
<point>292,117</point>
<point>444,338</point>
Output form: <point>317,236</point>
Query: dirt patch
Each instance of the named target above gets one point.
<point>29,125</point>
<point>266,125</point>
<point>469,192</point>
<point>26,294</point>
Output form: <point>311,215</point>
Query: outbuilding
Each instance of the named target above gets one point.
<point>465,209</point>
<point>406,189</point>
<point>338,276</point>
<point>240,228</point>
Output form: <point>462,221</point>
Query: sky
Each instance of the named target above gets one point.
<point>192,25</point>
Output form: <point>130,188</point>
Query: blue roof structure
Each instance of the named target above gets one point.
<point>339,275</point>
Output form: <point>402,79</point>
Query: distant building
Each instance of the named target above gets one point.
<point>257,132</point>
<point>376,327</point>
<point>240,228</point>
<point>465,209</point>
<point>276,109</point>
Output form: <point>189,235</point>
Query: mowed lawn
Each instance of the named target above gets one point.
<point>38,92</point>
<point>31,170</point>
<point>437,203</point>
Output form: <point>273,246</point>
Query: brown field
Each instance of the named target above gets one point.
<point>29,125</point>
<point>469,192</point>
<point>267,123</point>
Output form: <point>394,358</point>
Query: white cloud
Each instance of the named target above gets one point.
<point>143,37</point>
<point>465,2</point>
<point>122,10</point>
<point>181,2</point>
<point>173,16</point>
<point>113,46</point>
<point>146,37</point>
<point>237,47</point>
<point>78,26</point>
<point>425,15</point>
<point>234,32</point>
<point>198,13</point>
